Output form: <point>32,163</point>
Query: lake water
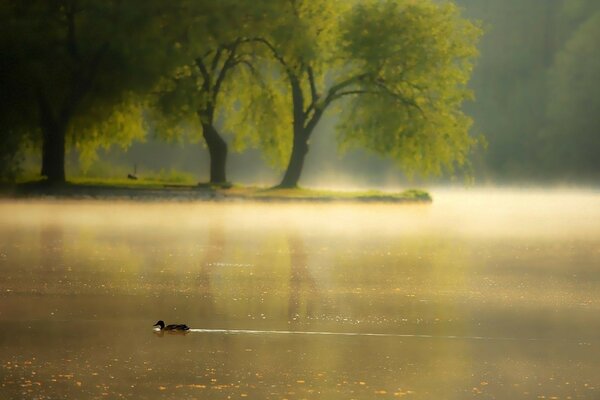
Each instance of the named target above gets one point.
<point>482,294</point>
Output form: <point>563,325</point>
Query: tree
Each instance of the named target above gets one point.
<point>217,79</point>
<point>73,66</point>
<point>572,134</point>
<point>10,154</point>
<point>417,58</point>
<point>514,85</point>
<point>398,67</point>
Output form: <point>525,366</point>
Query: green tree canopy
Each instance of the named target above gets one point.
<point>219,83</point>
<point>397,68</point>
<point>417,58</point>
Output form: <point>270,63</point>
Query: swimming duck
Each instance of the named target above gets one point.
<point>172,327</point>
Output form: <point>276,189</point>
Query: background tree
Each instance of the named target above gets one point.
<point>514,84</point>
<point>402,66</point>
<point>16,119</point>
<point>73,65</point>
<point>572,133</point>
<point>10,156</point>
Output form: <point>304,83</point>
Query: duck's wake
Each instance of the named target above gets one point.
<point>388,335</point>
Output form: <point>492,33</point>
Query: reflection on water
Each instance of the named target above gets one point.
<point>481,294</point>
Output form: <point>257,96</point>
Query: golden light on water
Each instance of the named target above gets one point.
<point>468,292</point>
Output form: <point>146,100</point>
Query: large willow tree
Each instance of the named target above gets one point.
<point>397,68</point>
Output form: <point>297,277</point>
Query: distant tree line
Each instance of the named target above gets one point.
<point>537,83</point>
<point>84,74</point>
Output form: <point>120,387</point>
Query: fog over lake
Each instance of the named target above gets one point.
<point>481,294</point>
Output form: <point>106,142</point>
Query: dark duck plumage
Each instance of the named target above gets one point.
<point>172,327</point>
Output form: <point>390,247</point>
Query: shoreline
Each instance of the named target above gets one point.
<point>202,192</point>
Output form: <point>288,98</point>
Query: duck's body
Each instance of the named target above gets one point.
<point>172,327</point>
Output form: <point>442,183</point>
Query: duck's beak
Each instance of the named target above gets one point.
<point>156,324</point>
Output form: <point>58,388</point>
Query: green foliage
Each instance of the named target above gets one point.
<point>419,58</point>
<point>299,193</point>
<point>398,69</point>
<point>219,80</point>
<point>103,172</point>
<point>119,125</point>
<point>257,114</point>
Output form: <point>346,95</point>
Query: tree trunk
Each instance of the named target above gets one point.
<point>301,135</point>
<point>53,153</point>
<point>217,148</point>
<point>294,169</point>
<point>53,142</point>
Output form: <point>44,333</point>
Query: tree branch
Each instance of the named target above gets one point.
<point>229,63</point>
<point>318,112</point>
<point>333,91</point>
<point>313,91</point>
<point>407,102</point>
<point>313,87</point>
<point>352,92</point>
<point>273,50</point>
<point>314,120</point>
<point>205,74</point>
<point>216,59</point>
<point>249,65</point>
<point>72,46</point>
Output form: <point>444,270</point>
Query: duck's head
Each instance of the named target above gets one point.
<point>160,324</point>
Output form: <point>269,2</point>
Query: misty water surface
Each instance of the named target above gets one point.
<point>479,295</point>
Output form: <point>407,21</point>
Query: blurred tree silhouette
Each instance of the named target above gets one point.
<point>572,133</point>
<point>521,102</point>
<point>70,69</point>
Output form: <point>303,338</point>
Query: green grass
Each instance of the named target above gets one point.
<point>83,185</point>
<point>150,179</point>
<point>307,194</point>
<point>151,183</point>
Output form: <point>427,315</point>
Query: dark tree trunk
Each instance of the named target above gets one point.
<point>294,169</point>
<point>217,148</point>
<point>301,135</point>
<point>53,153</point>
<point>53,142</point>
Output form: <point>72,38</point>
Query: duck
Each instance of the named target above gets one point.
<point>172,327</point>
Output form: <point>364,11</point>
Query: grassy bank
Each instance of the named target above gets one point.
<point>159,190</point>
<point>327,195</point>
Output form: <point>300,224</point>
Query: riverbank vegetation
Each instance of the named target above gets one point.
<point>159,190</point>
<point>81,75</point>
